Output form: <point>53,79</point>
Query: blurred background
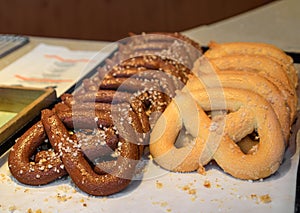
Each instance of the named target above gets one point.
<point>111,20</point>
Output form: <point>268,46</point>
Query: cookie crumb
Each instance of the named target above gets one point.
<point>12,208</point>
<point>265,198</point>
<point>207,184</point>
<point>159,185</point>
<point>192,191</point>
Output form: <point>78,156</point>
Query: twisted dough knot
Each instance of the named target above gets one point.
<point>249,114</point>
<point>109,116</point>
<point>67,158</point>
<point>115,108</point>
<point>216,137</point>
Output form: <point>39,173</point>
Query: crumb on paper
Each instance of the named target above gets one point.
<point>186,188</point>
<point>265,198</point>
<point>64,188</point>
<point>159,185</point>
<point>12,208</point>
<point>261,199</point>
<point>192,191</point>
<point>219,186</point>
<point>207,184</point>
<point>3,177</point>
<point>162,204</point>
<point>63,198</point>
<point>36,211</point>
<point>17,188</point>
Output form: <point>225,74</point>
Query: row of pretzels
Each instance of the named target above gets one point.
<point>249,90</point>
<point>235,105</point>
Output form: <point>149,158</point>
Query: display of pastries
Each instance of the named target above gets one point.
<point>234,104</point>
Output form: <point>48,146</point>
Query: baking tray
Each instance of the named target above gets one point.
<point>18,106</point>
<point>163,191</point>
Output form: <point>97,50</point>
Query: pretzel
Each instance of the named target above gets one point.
<point>212,77</point>
<point>265,67</point>
<point>79,169</point>
<point>98,133</point>
<point>246,82</point>
<point>46,168</point>
<point>249,111</point>
<point>254,48</point>
<point>168,45</point>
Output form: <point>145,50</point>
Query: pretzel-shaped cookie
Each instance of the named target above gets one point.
<point>249,112</point>
<point>264,67</point>
<point>45,169</point>
<point>244,80</point>
<point>253,48</point>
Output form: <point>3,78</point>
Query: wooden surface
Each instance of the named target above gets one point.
<point>111,20</point>
<point>26,102</point>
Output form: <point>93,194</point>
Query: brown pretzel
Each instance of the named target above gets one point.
<point>168,45</point>
<point>79,169</point>
<point>46,168</point>
<point>100,131</point>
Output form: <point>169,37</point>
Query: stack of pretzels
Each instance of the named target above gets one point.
<point>234,105</point>
<point>236,109</point>
<point>97,134</point>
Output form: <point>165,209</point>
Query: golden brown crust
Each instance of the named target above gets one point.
<point>253,48</point>
<point>252,83</point>
<point>265,59</point>
<point>252,112</point>
<point>265,67</point>
<point>249,81</point>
